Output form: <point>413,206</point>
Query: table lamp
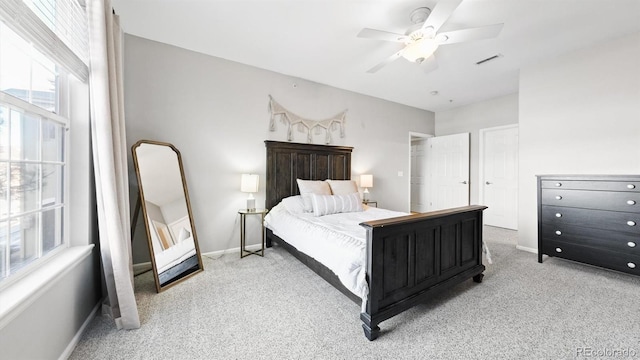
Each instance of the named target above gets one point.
<point>366,181</point>
<point>249,185</point>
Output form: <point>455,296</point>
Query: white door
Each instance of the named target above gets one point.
<point>448,164</point>
<point>499,178</point>
<point>419,175</point>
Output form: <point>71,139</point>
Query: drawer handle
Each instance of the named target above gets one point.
<point>631,186</point>
<point>631,265</point>
<point>558,184</point>
<point>631,202</point>
<point>631,244</point>
<point>558,215</point>
<point>558,250</point>
<point>558,197</point>
<point>558,232</point>
<point>631,223</point>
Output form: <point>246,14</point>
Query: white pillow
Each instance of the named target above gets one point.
<point>342,187</point>
<point>333,204</point>
<point>308,187</point>
<point>293,204</point>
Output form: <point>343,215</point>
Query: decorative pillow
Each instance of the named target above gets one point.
<point>333,204</point>
<point>308,187</point>
<point>294,204</point>
<point>342,187</point>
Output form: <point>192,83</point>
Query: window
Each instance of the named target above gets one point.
<point>34,102</point>
<point>32,172</point>
<point>32,155</point>
<point>26,73</point>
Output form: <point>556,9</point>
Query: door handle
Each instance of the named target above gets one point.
<point>463,182</point>
<point>488,183</point>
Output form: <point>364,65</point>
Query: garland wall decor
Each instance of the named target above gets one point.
<point>305,125</point>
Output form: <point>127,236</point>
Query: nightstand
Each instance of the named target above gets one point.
<point>243,224</point>
<point>370,202</point>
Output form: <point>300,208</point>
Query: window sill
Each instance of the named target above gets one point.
<point>18,296</point>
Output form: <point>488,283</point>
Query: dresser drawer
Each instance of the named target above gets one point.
<point>593,238</point>
<point>602,219</point>
<point>602,200</point>
<point>591,185</point>
<point>613,260</point>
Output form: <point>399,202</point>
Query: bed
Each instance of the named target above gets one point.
<point>408,259</point>
<point>175,256</point>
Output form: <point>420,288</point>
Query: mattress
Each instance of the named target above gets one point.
<point>337,240</point>
<point>175,254</point>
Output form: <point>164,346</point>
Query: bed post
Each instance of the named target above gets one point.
<point>370,332</point>
<point>369,323</point>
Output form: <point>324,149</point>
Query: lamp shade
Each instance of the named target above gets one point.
<point>249,183</point>
<point>366,180</point>
<point>420,50</point>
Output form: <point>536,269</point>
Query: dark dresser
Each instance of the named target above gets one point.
<point>594,219</point>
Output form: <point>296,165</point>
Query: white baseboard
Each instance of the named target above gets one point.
<point>141,268</point>
<point>232,250</point>
<point>76,339</point>
<point>527,249</point>
<point>146,266</point>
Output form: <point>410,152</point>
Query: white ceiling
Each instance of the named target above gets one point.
<point>316,40</point>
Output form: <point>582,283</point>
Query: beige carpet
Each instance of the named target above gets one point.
<point>274,307</point>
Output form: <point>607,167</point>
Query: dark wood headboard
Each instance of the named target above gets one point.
<point>287,162</point>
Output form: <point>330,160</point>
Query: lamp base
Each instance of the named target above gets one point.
<point>365,194</point>
<point>251,204</point>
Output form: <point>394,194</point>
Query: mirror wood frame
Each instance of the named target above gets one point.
<point>145,212</point>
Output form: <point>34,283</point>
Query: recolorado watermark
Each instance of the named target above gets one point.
<point>589,352</point>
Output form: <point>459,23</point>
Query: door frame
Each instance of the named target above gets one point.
<point>413,135</point>
<point>481,152</point>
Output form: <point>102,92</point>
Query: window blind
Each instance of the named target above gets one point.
<point>57,28</point>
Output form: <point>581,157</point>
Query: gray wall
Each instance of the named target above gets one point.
<point>579,114</point>
<point>215,112</point>
<point>154,212</point>
<point>174,210</point>
<point>472,118</point>
<point>45,329</point>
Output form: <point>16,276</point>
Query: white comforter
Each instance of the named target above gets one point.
<point>175,254</point>
<point>337,241</point>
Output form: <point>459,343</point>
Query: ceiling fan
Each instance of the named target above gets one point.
<point>423,39</point>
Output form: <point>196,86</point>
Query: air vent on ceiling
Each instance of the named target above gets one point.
<point>488,59</point>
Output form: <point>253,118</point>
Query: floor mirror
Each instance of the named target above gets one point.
<point>166,210</point>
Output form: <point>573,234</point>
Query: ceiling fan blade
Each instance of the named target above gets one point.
<point>441,13</point>
<point>471,34</point>
<point>429,64</point>
<point>381,35</point>
<point>385,62</point>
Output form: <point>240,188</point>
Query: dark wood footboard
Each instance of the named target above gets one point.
<point>412,258</point>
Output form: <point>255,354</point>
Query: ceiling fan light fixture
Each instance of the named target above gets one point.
<point>423,38</point>
<point>419,50</point>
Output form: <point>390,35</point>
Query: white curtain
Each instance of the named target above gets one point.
<point>110,162</point>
